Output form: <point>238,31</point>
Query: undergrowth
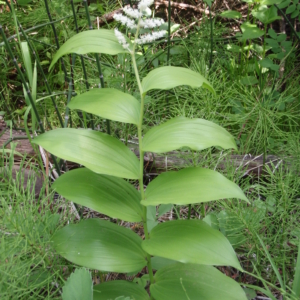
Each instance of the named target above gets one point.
<point>263,119</point>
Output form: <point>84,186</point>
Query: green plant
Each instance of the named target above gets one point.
<point>28,268</point>
<point>191,245</point>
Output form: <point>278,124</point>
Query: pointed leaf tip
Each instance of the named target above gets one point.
<point>179,132</point>
<point>203,185</point>
<point>191,241</point>
<point>165,78</point>
<point>100,152</point>
<point>92,41</point>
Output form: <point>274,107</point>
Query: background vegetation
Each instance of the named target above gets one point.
<point>251,58</point>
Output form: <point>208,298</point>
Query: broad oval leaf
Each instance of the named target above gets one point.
<point>250,31</point>
<point>97,151</point>
<point>179,132</point>
<point>92,41</point>
<point>191,241</point>
<point>231,14</point>
<point>165,78</point>
<point>78,286</point>
<point>190,185</point>
<point>101,245</point>
<point>117,288</point>
<point>109,195</point>
<point>108,103</point>
<point>194,282</point>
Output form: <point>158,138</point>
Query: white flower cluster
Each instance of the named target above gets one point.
<point>121,39</point>
<point>150,37</point>
<point>133,13</point>
<point>130,22</point>
<point>144,4</point>
<point>125,21</point>
<point>151,23</point>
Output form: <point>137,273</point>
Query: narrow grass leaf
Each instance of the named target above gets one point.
<point>274,267</point>
<point>109,195</point>
<point>194,282</point>
<point>97,151</point>
<point>118,288</point>
<point>27,61</point>
<point>110,104</point>
<point>101,245</point>
<point>78,286</point>
<point>191,241</point>
<point>197,134</point>
<point>92,41</point>
<point>296,283</point>
<point>165,78</point>
<point>203,185</point>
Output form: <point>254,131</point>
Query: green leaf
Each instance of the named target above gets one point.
<point>191,241</point>
<point>267,63</point>
<point>27,61</point>
<point>165,78</point>
<point>250,294</point>
<point>113,289</point>
<point>203,185</point>
<point>290,9</point>
<point>284,4</point>
<point>161,262</point>
<point>179,132</point>
<point>272,33</point>
<point>270,2</point>
<point>249,80</point>
<point>109,195</point>
<point>24,2</point>
<point>108,103</point>
<point>97,151</point>
<point>92,41</point>
<point>194,282</point>
<point>296,286</point>
<point>250,31</point>
<point>101,245</point>
<point>212,220</point>
<point>78,286</point>
<point>34,92</point>
<point>164,208</point>
<point>295,14</point>
<point>151,218</point>
<point>231,14</point>
<point>266,15</point>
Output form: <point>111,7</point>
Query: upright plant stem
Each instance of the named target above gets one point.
<point>211,37</point>
<point>169,32</point>
<point>67,117</point>
<point>141,182</point>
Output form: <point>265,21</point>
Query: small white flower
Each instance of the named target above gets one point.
<point>150,37</point>
<point>144,4</point>
<point>133,13</point>
<point>125,21</point>
<point>151,23</point>
<point>121,39</point>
